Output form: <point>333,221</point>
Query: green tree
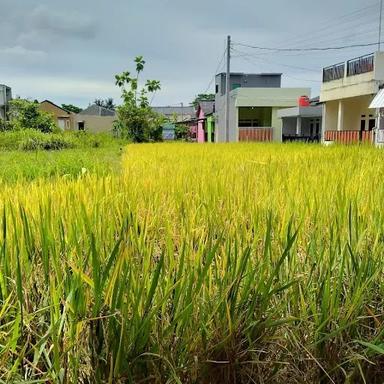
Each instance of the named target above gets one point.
<point>135,118</point>
<point>203,97</point>
<point>106,103</point>
<point>25,114</point>
<point>182,132</point>
<point>71,108</point>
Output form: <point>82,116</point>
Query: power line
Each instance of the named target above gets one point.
<point>219,66</point>
<point>306,49</point>
<point>330,24</point>
<point>253,63</point>
<point>244,54</point>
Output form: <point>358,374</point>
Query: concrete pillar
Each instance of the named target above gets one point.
<point>323,122</point>
<point>298,126</point>
<point>340,116</point>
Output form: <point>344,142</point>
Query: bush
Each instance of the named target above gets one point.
<point>25,114</point>
<point>49,143</point>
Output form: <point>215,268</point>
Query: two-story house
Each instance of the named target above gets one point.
<point>254,102</point>
<point>347,91</point>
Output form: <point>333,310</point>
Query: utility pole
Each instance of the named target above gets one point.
<point>380,23</point>
<point>227,88</point>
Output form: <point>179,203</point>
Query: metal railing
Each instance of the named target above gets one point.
<point>301,139</point>
<point>334,72</point>
<point>361,65</point>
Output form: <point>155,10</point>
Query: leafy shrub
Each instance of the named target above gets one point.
<point>49,143</point>
<point>25,114</point>
<point>136,120</point>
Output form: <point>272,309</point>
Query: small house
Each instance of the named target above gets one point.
<point>205,122</point>
<point>95,119</point>
<point>303,122</point>
<point>64,119</point>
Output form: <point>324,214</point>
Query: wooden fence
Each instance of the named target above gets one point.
<point>256,134</point>
<point>349,137</point>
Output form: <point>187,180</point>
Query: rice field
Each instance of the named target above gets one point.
<point>238,263</point>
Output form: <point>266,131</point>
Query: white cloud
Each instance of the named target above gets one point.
<point>62,90</point>
<point>20,51</point>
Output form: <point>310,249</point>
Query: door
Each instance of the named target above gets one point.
<point>61,123</point>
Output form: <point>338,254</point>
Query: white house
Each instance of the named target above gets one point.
<point>347,91</point>
<point>253,109</point>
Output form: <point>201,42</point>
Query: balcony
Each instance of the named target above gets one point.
<point>361,76</point>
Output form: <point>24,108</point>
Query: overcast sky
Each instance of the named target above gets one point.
<point>69,51</point>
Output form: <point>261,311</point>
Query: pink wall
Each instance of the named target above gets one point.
<point>200,127</point>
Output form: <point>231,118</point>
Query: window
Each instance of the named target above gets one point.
<point>252,123</point>
<point>81,125</point>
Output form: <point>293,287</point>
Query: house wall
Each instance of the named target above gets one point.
<point>58,114</point>
<point>200,127</point>
<point>290,125</point>
<point>354,108</point>
<point>210,128</point>
<point>277,125</point>
<point>95,124</point>
<point>248,81</point>
<point>220,135</point>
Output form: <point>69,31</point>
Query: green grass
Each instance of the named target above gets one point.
<point>21,166</point>
<point>96,154</point>
<point>197,264</point>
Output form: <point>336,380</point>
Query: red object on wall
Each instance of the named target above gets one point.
<point>304,101</point>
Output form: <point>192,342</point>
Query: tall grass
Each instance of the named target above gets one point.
<point>198,264</point>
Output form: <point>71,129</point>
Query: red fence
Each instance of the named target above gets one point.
<point>255,134</point>
<point>349,137</point>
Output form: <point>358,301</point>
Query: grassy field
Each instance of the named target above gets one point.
<point>197,264</point>
<point>22,160</point>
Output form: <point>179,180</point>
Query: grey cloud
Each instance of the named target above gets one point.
<point>84,43</point>
<point>63,23</point>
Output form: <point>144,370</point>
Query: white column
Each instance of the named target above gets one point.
<point>298,126</point>
<point>340,116</point>
<point>323,122</point>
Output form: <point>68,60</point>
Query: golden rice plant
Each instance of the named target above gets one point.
<point>240,263</point>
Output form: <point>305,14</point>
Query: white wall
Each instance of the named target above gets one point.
<point>95,124</point>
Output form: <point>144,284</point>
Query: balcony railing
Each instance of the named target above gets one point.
<point>353,67</point>
<point>255,134</point>
<point>361,65</point>
<point>334,72</point>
